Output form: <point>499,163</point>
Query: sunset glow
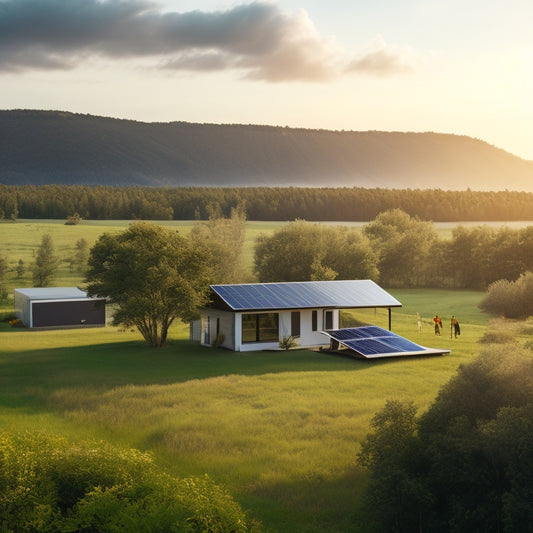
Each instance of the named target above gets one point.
<point>443,66</point>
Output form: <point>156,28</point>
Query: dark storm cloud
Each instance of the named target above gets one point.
<point>259,38</point>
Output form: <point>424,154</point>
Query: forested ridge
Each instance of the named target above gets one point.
<point>261,203</point>
<point>53,147</point>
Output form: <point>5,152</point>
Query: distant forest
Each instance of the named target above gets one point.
<point>261,203</point>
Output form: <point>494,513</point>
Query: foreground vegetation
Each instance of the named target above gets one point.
<point>466,463</point>
<point>279,430</point>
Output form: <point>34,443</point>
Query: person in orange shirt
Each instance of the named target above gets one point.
<point>438,324</point>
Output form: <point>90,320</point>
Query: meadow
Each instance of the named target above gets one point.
<point>280,430</point>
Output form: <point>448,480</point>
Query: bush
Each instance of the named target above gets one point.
<point>286,343</point>
<point>511,299</point>
<point>49,485</point>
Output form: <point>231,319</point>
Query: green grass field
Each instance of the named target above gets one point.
<point>280,430</point>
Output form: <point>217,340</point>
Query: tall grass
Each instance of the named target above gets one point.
<point>280,430</point>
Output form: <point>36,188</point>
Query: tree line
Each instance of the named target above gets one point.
<point>261,203</point>
<point>396,250</point>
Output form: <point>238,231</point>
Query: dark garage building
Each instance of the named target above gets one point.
<point>58,307</point>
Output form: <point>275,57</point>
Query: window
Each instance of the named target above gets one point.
<point>295,323</point>
<point>328,319</point>
<point>314,320</point>
<point>260,327</point>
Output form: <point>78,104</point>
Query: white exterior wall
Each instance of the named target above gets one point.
<point>22,308</point>
<point>232,329</point>
<point>315,338</point>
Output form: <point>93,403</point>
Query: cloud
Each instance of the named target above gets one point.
<point>258,39</point>
<point>383,60</point>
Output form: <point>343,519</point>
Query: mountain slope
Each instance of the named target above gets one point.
<point>41,147</point>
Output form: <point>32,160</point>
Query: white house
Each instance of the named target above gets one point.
<point>258,316</point>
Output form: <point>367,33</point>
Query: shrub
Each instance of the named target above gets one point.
<point>511,299</point>
<point>73,220</point>
<point>286,343</point>
<point>50,485</point>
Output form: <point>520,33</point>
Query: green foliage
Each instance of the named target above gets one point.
<point>405,246</point>
<point>81,255</point>
<point>511,299</point>
<point>465,465</point>
<point>49,485</point>
<point>46,263</point>
<point>152,275</point>
<point>3,268</point>
<point>262,203</point>
<point>224,237</point>
<point>73,220</point>
<point>286,343</point>
<point>278,429</point>
<point>302,251</point>
<point>20,268</point>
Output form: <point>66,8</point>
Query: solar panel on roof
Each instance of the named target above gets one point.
<point>305,294</point>
<point>373,341</point>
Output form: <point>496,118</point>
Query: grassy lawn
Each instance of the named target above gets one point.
<point>280,430</point>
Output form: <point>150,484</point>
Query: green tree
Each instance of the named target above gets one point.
<point>153,276</point>
<point>3,268</point>
<point>303,251</point>
<point>46,263</point>
<point>81,255</point>
<point>20,268</point>
<point>404,244</point>
<point>464,465</point>
<point>225,239</point>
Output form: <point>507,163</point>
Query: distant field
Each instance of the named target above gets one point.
<point>280,430</point>
<point>20,240</point>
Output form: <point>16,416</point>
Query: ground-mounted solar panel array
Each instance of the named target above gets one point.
<point>372,342</point>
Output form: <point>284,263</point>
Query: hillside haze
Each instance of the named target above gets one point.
<point>46,147</point>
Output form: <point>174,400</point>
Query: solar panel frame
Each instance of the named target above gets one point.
<point>373,341</point>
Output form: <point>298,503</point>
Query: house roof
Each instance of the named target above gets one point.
<point>347,294</point>
<point>53,293</point>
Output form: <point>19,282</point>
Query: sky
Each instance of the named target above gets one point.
<point>451,66</point>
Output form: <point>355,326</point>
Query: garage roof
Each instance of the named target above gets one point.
<point>53,293</point>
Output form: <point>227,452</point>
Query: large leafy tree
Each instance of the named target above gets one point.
<point>153,276</point>
<point>467,463</point>
<point>302,251</point>
<point>405,245</point>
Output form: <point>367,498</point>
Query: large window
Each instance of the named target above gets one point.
<point>260,327</point>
